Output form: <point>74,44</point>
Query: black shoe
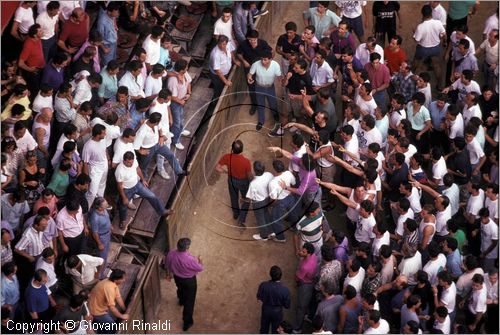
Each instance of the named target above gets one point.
<point>183,173</point>
<point>253,110</point>
<point>242,224</point>
<point>186,326</point>
<point>236,216</point>
<point>276,132</point>
<point>258,127</point>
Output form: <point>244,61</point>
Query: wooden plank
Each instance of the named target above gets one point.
<point>125,257</point>
<point>181,36</point>
<point>131,271</point>
<point>195,73</point>
<point>114,251</point>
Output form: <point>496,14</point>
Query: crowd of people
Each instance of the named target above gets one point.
<point>410,167</point>
<point>413,156</point>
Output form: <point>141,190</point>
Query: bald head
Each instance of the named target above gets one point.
<point>46,114</point>
<point>78,14</point>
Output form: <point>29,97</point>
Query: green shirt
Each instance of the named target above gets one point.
<point>459,9</point>
<point>418,120</point>
<point>59,183</point>
<point>460,237</point>
<point>321,24</point>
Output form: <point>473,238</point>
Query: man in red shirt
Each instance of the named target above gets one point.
<point>31,59</point>
<point>239,171</point>
<point>380,80</point>
<point>394,54</point>
<point>74,32</point>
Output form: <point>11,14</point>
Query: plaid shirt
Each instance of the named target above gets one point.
<point>370,285</point>
<point>405,85</point>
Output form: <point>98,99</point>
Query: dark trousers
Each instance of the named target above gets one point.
<point>251,90</point>
<point>186,293</point>
<point>49,48</point>
<point>236,187</point>
<point>492,319</point>
<point>261,212</point>
<point>75,244</point>
<point>423,143</point>
<point>470,318</point>
<point>271,316</point>
<point>218,85</point>
<point>439,138</point>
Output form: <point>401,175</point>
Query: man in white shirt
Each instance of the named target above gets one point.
<point>154,82</point>
<point>490,48</point>
<point>438,13</point>
<point>409,266</point>
<point>489,240</point>
<point>152,46</point>
<point>95,162</point>
<point>364,50</point>
<point>221,58</point>
<point>352,12</point>
<point>464,85</point>
<point>448,294</point>
<point>266,72</point>
<point>454,122</point>
<point>368,134</point>
<point>428,36</point>
<point>476,153</point>
<point>436,263</point>
<point>258,194</point>
<point>366,222</point>
<point>377,324</point>
<point>491,200</point>
<point>224,26</point>
<point>24,140</point>
<point>130,181</point>
<point>402,211</point>
<point>162,105</point>
<point>442,320</point>
<point>84,271</point>
<point>284,204</point>
<point>477,307</point>
<point>133,80</point>
<point>83,90</point>
<point>150,141</point>
<point>355,275</point>
<point>320,71</point>
<point>48,21</point>
<point>439,168</point>
<point>46,262</point>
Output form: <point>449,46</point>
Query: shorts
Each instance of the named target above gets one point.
<point>423,53</point>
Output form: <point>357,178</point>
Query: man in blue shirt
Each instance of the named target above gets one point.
<point>38,298</point>
<point>453,258</point>
<point>10,288</point>
<point>106,25</point>
<point>274,297</point>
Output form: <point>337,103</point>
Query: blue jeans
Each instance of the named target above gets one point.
<point>49,48</point>
<point>261,211</point>
<point>238,186</point>
<point>177,121</point>
<point>268,93</point>
<point>143,192</point>
<point>284,208</point>
<point>381,99</point>
<point>103,320</point>
<point>163,150</point>
<point>105,58</point>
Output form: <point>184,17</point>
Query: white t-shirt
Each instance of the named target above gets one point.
<point>453,194</point>
<point>433,267</point>
<point>456,127</point>
<point>445,326</point>
<point>127,175</point>
<point>258,188</point>
<point>473,111</point>
<point>94,153</point>
<point>475,203</point>
<point>383,328</point>
<point>265,76</point>
<point>490,52</point>
<point>152,50</point>
<point>439,169</point>
<point>489,233</point>
<point>428,33</point>
<point>396,117</point>
<point>412,150</point>
<point>146,137</point>
<point>448,297</point>
<point>367,106</point>
<point>428,94</point>
<point>441,219</point>
<point>59,149</point>
<point>492,206</point>
<point>490,24</point>
<point>477,303</point>
<point>47,24</point>
<point>224,28</point>
<point>25,18</point>
<point>414,199</point>
<point>162,108</point>
<point>475,151</point>
<point>400,227</point>
<point>350,9</point>
<point>356,281</point>
<point>379,242</point>
<point>410,266</point>
<point>152,85</point>
<point>42,102</point>
<point>363,54</point>
<point>473,86</point>
<point>464,283</point>
<point>120,148</point>
<point>352,146</point>
<point>439,13</point>
<point>112,131</point>
<point>365,138</point>
<point>274,188</point>
<point>220,60</point>
<point>364,229</point>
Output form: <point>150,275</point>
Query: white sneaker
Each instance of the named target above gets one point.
<point>185,132</point>
<point>163,174</point>
<point>179,146</point>
<point>258,238</point>
<point>131,205</point>
<point>136,196</point>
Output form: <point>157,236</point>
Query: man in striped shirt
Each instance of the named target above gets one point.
<point>309,229</point>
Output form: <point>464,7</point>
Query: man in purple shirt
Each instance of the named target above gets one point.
<point>184,267</point>
<point>304,276</point>
<point>53,72</point>
<point>342,38</point>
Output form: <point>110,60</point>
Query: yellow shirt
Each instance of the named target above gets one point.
<point>103,296</point>
<point>25,101</point>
